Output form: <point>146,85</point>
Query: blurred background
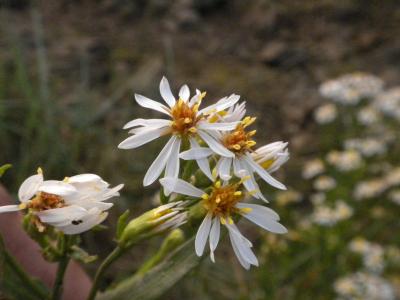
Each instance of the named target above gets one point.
<point>68,72</point>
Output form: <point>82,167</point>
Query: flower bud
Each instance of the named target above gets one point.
<point>155,221</point>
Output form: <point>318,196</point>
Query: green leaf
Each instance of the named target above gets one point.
<point>81,255</point>
<point>159,279</point>
<point>4,168</point>
<point>122,222</point>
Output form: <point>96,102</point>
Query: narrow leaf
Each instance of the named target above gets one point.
<point>4,168</point>
<point>122,222</point>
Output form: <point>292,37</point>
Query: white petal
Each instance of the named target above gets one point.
<point>142,138</point>
<point>224,168</point>
<point>84,178</point>
<point>202,235</point>
<point>203,163</point>
<point>154,123</point>
<point>195,98</point>
<point>242,247</point>
<point>180,186</point>
<point>67,213</point>
<point>196,153</point>
<point>216,146</point>
<point>184,93</point>
<point>56,187</point>
<point>222,104</point>
<point>259,210</point>
<point>159,163</point>
<point>263,173</point>
<point>251,184</point>
<point>29,187</point>
<point>148,103</point>
<point>108,193</point>
<point>166,93</point>
<point>9,208</point>
<point>215,233</point>
<point>265,221</point>
<point>172,168</point>
<point>238,169</point>
<point>92,219</point>
<point>239,256</point>
<point>217,126</point>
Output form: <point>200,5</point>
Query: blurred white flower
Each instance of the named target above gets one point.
<point>324,183</point>
<point>388,103</point>
<point>368,116</point>
<point>313,168</point>
<point>369,189</point>
<point>287,197</point>
<point>344,161</point>
<point>368,146</point>
<point>395,196</point>
<point>325,114</point>
<point>186,120</point>
<point>222,203</point>
<point>317,198</point>
<point>328,216</point>
<point>372,253</point>
<point>351,88</point>
<point>73,206</point>
<point>364,286</point>
<point>392,178</point>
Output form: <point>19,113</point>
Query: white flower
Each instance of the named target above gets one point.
<point>368,146</point>
<point>313,168</point>
<point>364,286</point>
<point>351,88</point>
<point>327,216</point>
<point>325,114</point>
<point>369,189</point>
<point>389,103</point>
<point>368,116</point>
<point>395,196</point>
<point>246,161</point>
<point>324,183</point>
<point>345,161</point>
<point>73,206</point>
<point>186,121</point>
<point>222,203</point>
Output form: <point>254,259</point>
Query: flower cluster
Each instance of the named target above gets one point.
<point>219,140</point>
<point>73,205</point>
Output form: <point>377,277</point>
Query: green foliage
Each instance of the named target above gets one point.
<point>159,279</point>
<point>122,222</point>
<point>4,168</point>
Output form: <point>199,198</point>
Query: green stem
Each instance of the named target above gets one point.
<point>58,284</point>
<point>115,254</point>
<point>25,278</point>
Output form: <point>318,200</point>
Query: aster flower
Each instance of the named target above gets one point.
<point>222,204</point>
<point>73,206</point>
<point>186,121</point>
<point>246,160</point>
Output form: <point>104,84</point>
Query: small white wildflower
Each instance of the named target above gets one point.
<point>324,183</point>
<point>368,116</point>
<point>186,121</point>
<point>369,189</point>
<point>327,216</point>
<point>351,88</point>
<point>222,203</point>
<point>364,286</point>
<point>313,168</point>
<point>392,178</point>
<point>287,197</point>
<point>368,147</point>
<point>345,160</point>
<point>389,103</point>
<point>317,198</point>
<point>73,206</point>
<point>325,114</point>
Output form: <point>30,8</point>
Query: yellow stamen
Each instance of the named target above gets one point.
<point>39,170</point>
<point>213,119</point>
<point>230,220</point>
<point>218,200</point>
<point>266,164</point>
<point>66,179</point>
<point>238,193</point>
<point>205,196</point>
<point>245,178</point>
<point>22,206</point>
<point>193,129</point>
<point>187,120</point>
<point>252,133</point>
<point>214,173</point>
<point>218,184</point>
<point>236,147</point>
<point>251,143</point>
<point>246,210</point>
<point>223,222</point>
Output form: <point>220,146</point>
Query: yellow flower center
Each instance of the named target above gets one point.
<point>184,117</point>
<point>222,200</point>
<point>240,141</point>
<point>44,201</point>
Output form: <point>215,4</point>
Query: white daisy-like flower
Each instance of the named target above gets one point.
<point>186,122</point>
<point>222,203</point>
<point>246,161</point>
<point>73,206</point>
